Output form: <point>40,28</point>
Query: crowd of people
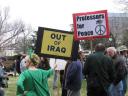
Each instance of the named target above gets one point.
<point>105,71</point>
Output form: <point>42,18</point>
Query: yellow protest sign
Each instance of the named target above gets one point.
<point>56,43</point>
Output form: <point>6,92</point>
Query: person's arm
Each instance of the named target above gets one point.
<point>121,72</point>
<point>49,72</point>
<point>20,86</point>
<point>111,69</point>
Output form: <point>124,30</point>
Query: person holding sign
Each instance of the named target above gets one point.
<point>60,66</point>
<point>99,72</point>
<point>33,81</point>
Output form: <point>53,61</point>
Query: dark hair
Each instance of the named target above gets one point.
<point>44,64</point>
<point>99,47</point>
<point>18,57</point>
<point>79,53</point>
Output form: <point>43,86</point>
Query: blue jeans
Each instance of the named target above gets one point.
<point>125,84</point>
<point>116,90</point>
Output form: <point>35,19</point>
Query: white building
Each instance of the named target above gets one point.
<point>7,52</point>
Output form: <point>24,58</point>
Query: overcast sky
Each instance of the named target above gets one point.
<point>55,14</point>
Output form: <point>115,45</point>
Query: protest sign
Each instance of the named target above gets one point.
<point>91,25</point>
<point>56,43</point>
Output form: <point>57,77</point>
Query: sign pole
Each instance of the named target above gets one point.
<point>57,81</point>
<point>91,46</point>
<point>56,91</point>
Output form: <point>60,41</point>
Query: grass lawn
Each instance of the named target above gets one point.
<point>11,90</point>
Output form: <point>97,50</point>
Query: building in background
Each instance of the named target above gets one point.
<point>7,52</point>
<point>118,24</point>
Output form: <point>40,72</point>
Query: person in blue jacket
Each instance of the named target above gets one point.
<point>73,78</point>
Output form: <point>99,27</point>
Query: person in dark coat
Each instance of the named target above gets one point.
<point>18,60</point>
<point>120,72</point>
<point>99,72</point>
<point>124,55</point>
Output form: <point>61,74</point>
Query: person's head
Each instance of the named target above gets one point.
<point>32,60</point>
<point>43,59</point>
<point>124,52</point>
<point>99,47</point>
<point>111,51</point>
<point>23,56</point>
<point>81,55</point>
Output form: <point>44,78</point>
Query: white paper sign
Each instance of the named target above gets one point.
<point>91,25</point>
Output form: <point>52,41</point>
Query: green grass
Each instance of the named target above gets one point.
<point>11,90</point>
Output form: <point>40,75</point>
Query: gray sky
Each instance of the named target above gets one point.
<point>55,14</point>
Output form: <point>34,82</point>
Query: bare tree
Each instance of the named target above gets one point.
<point>124,4</point>
<point>9,31</point>
<point>24,41</point>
